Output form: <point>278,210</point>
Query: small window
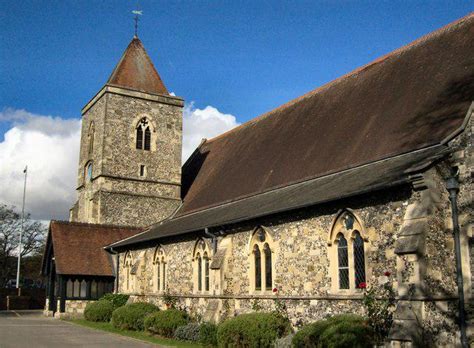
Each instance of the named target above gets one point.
<point>142,170</point>
<point>147,139</point>
<point>261,261</point>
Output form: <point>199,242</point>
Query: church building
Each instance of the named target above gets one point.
<point>360,182</point>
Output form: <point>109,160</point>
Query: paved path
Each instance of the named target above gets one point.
<point>31,330</point>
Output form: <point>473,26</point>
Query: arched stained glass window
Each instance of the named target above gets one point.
<point>258,268</point>
<point>268,267</point>
<point>359,260</point>
<point>343,262</point>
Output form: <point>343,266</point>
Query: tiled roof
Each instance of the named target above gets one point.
<point>410,99</point>
<point>136,71</point>
<point>78,247</point>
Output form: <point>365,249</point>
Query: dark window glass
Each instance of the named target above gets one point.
<point>268,267</point>
<point>69,289</point>
<point>94,289</point>
<point>142,170</point>
<point>359,260</point>
<point>343,263</point>
<point>83,293</point>
<point>258,268</point>
<point>100,289</point>
<point>199,261</point>
<point>206,272</point>
<point>77,287</point>
<point>147,138</point>
<point>139,138</point>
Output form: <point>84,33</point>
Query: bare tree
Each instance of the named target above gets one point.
<point>32,240</point>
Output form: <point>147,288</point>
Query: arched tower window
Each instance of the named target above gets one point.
<point>159,269</point>
<point>88,172</point>
<point>143,135</point>
<point>347,252</point>
<point>201,257</point>
<point>261,261</point>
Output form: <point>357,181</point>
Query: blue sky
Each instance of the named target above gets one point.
<point>243,57</point>
<point>230,61</point>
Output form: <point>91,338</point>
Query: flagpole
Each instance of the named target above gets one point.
<point>21,232</point>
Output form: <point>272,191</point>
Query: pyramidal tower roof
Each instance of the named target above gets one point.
<point>136,71</point>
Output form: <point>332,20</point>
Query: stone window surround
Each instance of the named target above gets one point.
<point>160,262</point>
<point>337,229</point>
<point>254,241</point>
<point>133,132</point>
<point>201,248</point>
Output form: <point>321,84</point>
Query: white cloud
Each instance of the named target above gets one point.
<point>50,147</point>
<point>203,123</point>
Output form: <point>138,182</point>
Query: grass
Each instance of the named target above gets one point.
<point>140,335</point>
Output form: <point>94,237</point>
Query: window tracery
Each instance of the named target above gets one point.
<point>160,262</point>
<point>201,257</point>
<point>143,135</point>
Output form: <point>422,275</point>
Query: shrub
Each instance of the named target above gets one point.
<point>284,342</point>
<point>164,323</point>
<point>189,332</point>
<point>132,316</point>
<point>118,300</point>
<point>252,330</point>
<point>208,334</point>
<point>99,311</point>
<point>346,330</point>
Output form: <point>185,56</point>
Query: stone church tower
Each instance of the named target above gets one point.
<point>130,154</point>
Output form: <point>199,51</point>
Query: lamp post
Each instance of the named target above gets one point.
<point>452,185</point>
<point>25,171</point>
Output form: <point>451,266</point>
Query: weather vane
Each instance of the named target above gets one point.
<point>137,13</point>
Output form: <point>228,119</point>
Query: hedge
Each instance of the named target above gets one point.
<point>208,334</point>
<point>117,300</point>
<point>252,330</point>
<point>99,311</point>
<point>132,316</point>
<point>164,323</point>
<point>345,330</point>
<point>188,332</point>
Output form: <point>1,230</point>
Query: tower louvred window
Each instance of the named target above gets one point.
<point>147,139</point>
<point>143,135</point>
<point>139,138</point>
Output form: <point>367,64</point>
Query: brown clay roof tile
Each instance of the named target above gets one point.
<point>78,247</point>
<point>136,71</point>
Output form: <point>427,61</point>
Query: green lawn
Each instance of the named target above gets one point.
<point>140,335</point>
